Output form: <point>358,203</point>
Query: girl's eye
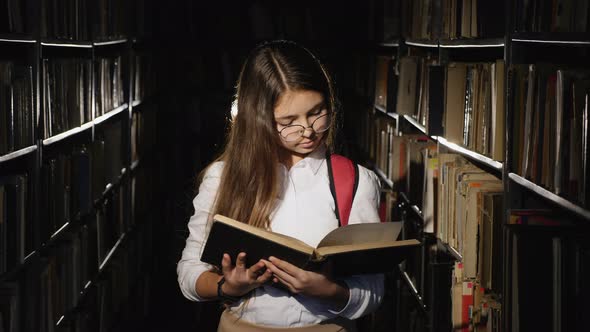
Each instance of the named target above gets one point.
<point>318,112</point>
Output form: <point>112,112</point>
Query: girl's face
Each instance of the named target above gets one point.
<point>301,118</point>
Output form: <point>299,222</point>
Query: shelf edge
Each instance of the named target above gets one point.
<point>18,153</point>
<point>413,289</point>
<point>471,154</point>
<point>110,114</point>
<point>564,203</point>
<point>415,123</point>
<point>383,177</point>
<point>110,42</point>
<point>65,134</point>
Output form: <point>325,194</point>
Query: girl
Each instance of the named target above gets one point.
<point>273,174</point>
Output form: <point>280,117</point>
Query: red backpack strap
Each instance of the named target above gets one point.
<point>344,179</point>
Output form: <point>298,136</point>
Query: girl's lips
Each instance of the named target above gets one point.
<point>307,144</point>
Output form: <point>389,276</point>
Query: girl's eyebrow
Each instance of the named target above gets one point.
<point>315,107</point>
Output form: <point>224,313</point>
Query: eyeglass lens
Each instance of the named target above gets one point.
<point>294,132</point>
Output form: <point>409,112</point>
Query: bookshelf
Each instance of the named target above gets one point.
<point>481,90</point>
<point>472,155</point>
<point>472,43</point>
<point>76,208</point>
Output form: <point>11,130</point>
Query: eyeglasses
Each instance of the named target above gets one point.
<point>293,133</point>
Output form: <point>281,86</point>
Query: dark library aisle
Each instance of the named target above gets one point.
<point>474,114</point>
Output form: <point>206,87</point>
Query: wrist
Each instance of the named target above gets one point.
<point>341,291</point>
<point>221,292</point>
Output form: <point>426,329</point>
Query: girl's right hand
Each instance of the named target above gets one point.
<point>240,280</point>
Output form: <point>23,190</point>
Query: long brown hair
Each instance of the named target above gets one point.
<point>249,181</point>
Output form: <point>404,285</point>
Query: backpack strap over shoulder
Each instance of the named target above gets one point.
<point>344,179</point>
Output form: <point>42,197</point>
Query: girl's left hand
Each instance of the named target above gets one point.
<point>309,283</point>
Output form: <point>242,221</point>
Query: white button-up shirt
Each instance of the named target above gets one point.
<point>305,210</point>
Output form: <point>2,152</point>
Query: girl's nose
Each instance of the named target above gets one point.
<point>308,132</point>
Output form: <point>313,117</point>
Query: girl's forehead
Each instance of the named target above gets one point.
<point>298,102</point>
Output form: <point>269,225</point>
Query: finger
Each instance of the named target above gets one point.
<point>278,279</point>
<point>257,269</point>
<point>283,275</point>
<point>286,266</point>
<point>264,277</point>
<point>241,260</point>
<point>226,265</point>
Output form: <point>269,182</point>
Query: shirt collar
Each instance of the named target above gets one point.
<point>314,160</point>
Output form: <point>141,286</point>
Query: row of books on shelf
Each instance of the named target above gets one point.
<point>65,272</point>
<point>145,79</point>
<point>84,20</point>
<point>400,158</point>
<point>472,308</point>
<point>68,91</point>
<point>551,133</point>
<point>16,107</point>
<point>72,294</point>
<point>551,15</point>
<point>143,129</point>
<point>387,21</point>
<point>363,74</point>
<point>548,265</point>
<point>463,207</point>
<point>464,99</point>
<point>456,19</point>
<point>469,214</point>
<point>70,183</point>
<point>13,19</point>
<point>67,88</point>
<point>14,214</point>
<point>474,107</point>
<point>472,196</point>
<point>70,265</point>
<point>75,19</point>
<point>549,106</point>
<point>109,85</point>
<point>450,19</point>
<point>141,194</point>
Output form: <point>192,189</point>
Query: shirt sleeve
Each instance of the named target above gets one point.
<point>366,291</point>
<point>190,267</point>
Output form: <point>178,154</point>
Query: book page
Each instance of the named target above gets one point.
<point>362,233</point>
<point>340,249</point>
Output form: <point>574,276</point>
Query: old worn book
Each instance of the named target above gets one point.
<point>351,249</point>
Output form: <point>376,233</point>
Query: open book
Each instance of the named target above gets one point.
<point>352,249</point>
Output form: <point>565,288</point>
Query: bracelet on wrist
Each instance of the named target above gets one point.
<point>224,297</point>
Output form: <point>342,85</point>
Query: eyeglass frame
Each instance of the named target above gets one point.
<point>305,128</point>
